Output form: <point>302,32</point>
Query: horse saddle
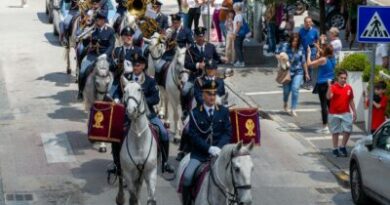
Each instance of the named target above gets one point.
<point>199,177</point>
<point>156,134</point>
<point>162,75</point>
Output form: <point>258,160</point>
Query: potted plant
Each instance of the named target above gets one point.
<point>355,64</point>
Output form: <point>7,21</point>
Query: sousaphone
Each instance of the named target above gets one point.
<point>138,9</point>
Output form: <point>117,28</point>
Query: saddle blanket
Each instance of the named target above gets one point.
<point>199,177</point>
<point>106,122</point>
<point>245,124</point>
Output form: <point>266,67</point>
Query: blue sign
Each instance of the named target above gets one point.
<point>373,24</point>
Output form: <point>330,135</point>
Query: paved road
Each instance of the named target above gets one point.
<point>43,147</point>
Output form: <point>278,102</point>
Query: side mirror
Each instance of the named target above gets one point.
<point>368,142</point>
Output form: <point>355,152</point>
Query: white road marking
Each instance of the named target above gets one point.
<point>330,137</point>
<point>57,148</point>
<point>297,110</point>
<point>273,92</point>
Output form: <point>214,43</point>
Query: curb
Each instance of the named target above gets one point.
<point>341,176</point>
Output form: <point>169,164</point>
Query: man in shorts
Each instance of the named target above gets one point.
<point>341,119</point>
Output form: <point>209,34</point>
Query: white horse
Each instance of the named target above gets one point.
<point>139,150</point>
<point>229,178</point>
<point>176,77</point>
<point>98,83</point>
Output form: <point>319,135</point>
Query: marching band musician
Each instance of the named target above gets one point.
<point>101,41</point>
<point>161,18</point>
<point>121,7</point>
<point>151,93</point>
<point>209,130</point>
<point>197,55</point>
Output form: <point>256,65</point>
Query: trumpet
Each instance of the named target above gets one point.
<point>86,33</point>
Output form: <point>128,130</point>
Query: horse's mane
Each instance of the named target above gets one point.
<point>102,63</point>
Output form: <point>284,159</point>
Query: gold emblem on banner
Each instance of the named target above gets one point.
<point>99,117</point>
<point>250,127</point>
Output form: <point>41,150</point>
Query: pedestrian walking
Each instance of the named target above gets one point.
<point>193,14</point>
<point>341,119</point>
<point>379,105</point>
<point>205,9</point>
<point>227,7</point>
<point>382,55</point>
<point>229,49</point>
<point>217,4</point>
<point>309,38</point>
<point>335,42</point>
<point>325,66</point>
<point>238,22</point>
<point>298,66</point>
<point>270,20</point>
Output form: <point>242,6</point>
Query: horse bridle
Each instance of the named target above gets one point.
<point>108,84</point>
<point>177,77</point>
<point>152,47</point>
<point>138,103</point>
<point>232,197</point>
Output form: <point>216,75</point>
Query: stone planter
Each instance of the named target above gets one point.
<point>355,80</point>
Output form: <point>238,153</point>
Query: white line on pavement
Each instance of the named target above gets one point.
<point>57,148</point>
<point>297,110</point>
<point>273,92</point>
<point>330,137</point>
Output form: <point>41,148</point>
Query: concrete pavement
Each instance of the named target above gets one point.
<point>46,159</point>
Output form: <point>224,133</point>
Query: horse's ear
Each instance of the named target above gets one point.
<point>251,145</point>
<point>239,146</point>
<point>124,81</point>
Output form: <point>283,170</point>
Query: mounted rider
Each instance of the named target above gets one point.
<point>209,130</point>
<point>65,24</point>
<point>197,56</point>
<point>151,93</point>
<point>101,41</point>
<point>161,18</point>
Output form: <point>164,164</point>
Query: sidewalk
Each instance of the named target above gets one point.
<point>257,88</point>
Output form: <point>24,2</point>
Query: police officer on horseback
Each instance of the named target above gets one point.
<point>161,18</point>
<point>101,41</point>
<point>197,56</point>
<point>65,24</point>
<point>151,93</point>
<point>209,130</point>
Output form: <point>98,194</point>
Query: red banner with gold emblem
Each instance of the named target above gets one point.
<point>246,125</point>
<point>106,122</point>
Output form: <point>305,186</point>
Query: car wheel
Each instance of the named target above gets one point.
<point>335,19</point>
<point>358,195</point>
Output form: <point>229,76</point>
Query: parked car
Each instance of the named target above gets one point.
<point>370,167</point>
<point>60,12</point>
<point>333,15</point>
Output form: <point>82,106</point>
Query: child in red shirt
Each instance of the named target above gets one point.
<point>341,119</point>
<point>379,105</point>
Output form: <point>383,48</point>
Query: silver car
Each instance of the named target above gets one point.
<point>370,167</point>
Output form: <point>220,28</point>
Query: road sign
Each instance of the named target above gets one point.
<point>373,24</point>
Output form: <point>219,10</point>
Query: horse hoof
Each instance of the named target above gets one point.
<point>102,149</point>
<point>151,202</point>
<point>68,71</point>
<point>176,141</point>
<point>120,200</point>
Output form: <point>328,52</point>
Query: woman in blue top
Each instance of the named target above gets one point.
<point>298,67</point>
<point>325,65</point>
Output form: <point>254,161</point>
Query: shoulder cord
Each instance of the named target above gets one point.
<point>197,126</point>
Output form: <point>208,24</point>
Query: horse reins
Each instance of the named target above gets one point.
<point>232,197</point>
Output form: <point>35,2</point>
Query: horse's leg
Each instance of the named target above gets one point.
<point>120,197</point>
<point>177,121</point>
<point>68,68</point>
<point>135,187</point>
<point>151,181</point>
<point>102,147</point>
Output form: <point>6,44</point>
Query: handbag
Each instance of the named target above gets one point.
<point>244,29</point>
<point>283,76</point>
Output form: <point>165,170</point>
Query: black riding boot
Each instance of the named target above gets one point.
<point>185,101</point>
<point>81,83</point>
<point>186,195</point>
<point>164,158</point>
<point>116,149</point>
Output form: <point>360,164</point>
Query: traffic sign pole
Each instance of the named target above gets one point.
<point>371,93</point>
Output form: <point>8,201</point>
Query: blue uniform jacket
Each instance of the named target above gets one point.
<point>103,37</point>
<point>183,37</point>
<point>151,92</point>
<point>162,21</point>
<point>194,56</point>
<point>198,88</point>
<point>199,131</point>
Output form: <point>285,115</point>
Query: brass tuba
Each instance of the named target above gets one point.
<point>137,8</point>
<point>84,5</point>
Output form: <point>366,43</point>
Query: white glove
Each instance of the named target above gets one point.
<point>214,151</point>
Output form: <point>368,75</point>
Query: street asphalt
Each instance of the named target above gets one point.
<point>46,159</point>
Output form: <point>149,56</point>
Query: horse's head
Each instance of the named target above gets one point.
<point>103,77</point>
<point>180,55</point>
<point>133,99</point>
<point>156,45</point>
<point>239,165</point>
